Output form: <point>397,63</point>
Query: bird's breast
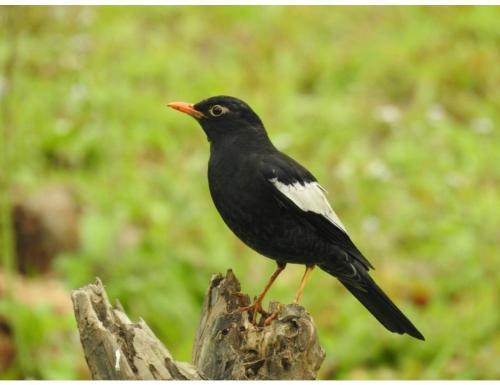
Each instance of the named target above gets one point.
<point>246,203</point>
<point>243,200</point>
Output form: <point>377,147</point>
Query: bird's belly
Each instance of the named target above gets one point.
<point>270,229</point>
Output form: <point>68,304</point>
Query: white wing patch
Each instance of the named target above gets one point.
<point>309,197</point>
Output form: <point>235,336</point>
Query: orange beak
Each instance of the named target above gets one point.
<point>187,108</point>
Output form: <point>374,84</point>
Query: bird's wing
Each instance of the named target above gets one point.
<point>309,197</point>
<point>297,189</point>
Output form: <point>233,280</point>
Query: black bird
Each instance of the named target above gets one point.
<point>277,207</point>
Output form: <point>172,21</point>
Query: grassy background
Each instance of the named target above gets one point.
<point>394,109</point>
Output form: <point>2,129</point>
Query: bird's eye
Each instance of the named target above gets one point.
<point>217,110</point>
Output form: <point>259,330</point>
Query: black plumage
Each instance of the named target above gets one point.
<point>275,206</point>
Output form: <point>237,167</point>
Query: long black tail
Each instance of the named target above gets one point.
<point>378,303</point>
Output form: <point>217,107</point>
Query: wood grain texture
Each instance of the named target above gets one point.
<point>116,348</point>
<point>227,346</point>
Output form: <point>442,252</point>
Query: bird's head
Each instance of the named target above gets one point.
<point>223,117</point>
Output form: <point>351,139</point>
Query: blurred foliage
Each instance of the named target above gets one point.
<point>394,109</point>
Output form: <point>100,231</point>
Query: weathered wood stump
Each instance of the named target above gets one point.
<point>227,345</point>
<point>45,224</point>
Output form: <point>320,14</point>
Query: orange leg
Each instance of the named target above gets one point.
<point>256,307</point>
<point>274,315</point>
<point>303,282</point>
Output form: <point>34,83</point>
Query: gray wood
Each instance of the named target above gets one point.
<point>227,345</point>
<point>117,349</point>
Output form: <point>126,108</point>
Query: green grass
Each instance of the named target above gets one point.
<point>394,109</point>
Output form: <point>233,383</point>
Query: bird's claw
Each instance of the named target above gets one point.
<point>273,316</point>
<point>254,309</point>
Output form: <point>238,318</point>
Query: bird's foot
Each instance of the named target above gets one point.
<point>274,315</point>
<point>254,309</point>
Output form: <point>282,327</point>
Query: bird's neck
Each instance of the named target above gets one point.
<point>242,143</point>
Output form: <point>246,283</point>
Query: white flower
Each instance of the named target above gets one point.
<point>378,170</point>
<point>436,113</point>
<point>388,113</point>
<point>482,125</point>
<point>370,224</point>
<point>344,170</point>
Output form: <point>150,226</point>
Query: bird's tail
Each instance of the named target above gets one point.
<point>378,303</point>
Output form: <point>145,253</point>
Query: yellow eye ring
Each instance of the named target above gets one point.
<point>217,110</point>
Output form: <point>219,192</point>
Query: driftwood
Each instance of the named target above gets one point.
<point>227,345</point>
<point>117,349</point>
